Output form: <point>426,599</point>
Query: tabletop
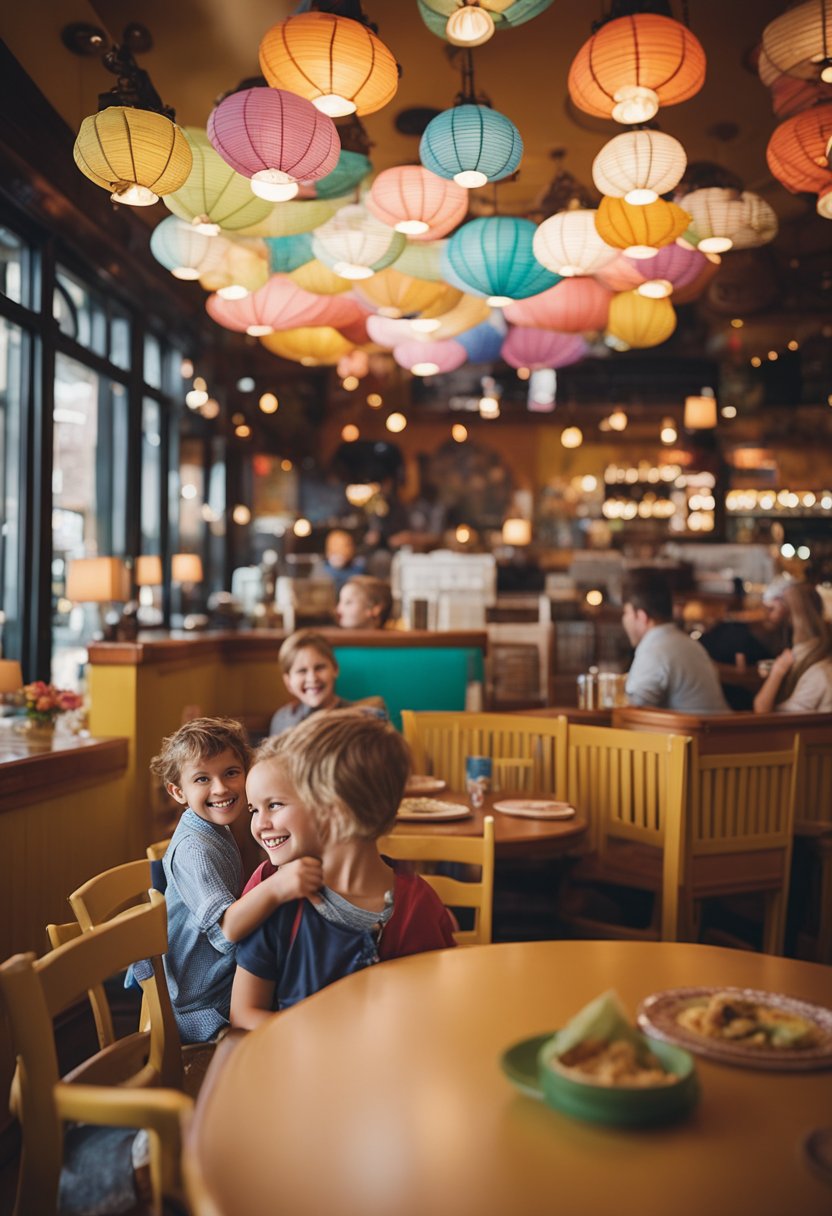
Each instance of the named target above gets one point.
<point>383,1095</point>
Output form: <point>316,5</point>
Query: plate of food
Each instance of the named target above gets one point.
<point>430,810</point>
<point>419,784</point>
<point>742,1026</point>
<point>535,808</point>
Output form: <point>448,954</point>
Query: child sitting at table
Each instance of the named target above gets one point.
<point>338,780</point>
<point>364,603</point>
<point>309,672</point>
<point>203,766</point>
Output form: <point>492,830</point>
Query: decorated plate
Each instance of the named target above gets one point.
<point>520,1064</point>
<point>535,808</point>
<point>742,1026</point>
<point>423,810</point>
<point>417,784</point>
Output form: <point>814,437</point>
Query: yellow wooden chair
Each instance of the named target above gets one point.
<point>813,822</point>
<point>33,992</point>
<point>528,753</point>
<point>157,850</point>
<point>455,892</point>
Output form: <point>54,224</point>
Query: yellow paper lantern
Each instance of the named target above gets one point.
<point>290,218</point>
<point>315,277</point>
<point>470,311</point>
<point>215,198</point>
<point>395,294</point>
<point>311,345</point>
<point>639,321</point>
<point>137,155</point>
<point>639,231</point>
<point>243,268</point>
<point>335,62</point>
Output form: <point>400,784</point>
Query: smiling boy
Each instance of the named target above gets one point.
<point>309,672</point>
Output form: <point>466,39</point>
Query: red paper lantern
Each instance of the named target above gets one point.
<point>572,306</point>
<point>797,151</point>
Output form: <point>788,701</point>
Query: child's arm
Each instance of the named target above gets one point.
<point>296,880</point>
<point>251,999</point>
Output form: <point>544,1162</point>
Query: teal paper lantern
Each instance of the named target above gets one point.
<point>493,257</point>
<point>286,253</point>
<point>471,144</point>
<point>350,171</point>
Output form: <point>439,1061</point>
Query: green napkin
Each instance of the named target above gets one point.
<point>604,1019</point>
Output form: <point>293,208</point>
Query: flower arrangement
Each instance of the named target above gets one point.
<point>44,702</point>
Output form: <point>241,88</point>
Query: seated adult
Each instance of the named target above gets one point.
<point>341,562</point>
<point>669,670</point>
<point>800,680</point>
<point>364,603</point>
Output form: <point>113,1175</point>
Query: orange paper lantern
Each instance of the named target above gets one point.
<point>797,151</point>
<point>639,231</point>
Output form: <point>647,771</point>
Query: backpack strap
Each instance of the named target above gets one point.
<point>296,922</point>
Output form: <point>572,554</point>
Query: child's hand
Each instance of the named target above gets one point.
<point>782,664</point>
<point>298,879</point>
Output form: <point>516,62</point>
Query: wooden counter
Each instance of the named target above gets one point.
<point>34,767</point>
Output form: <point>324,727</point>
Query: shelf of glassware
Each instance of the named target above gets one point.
<point>679,498</point>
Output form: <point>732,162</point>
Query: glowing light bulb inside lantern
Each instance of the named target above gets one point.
<point>233,291</point>
<point>185,272</point>
<point>274,185</point>
<point>334,105</point>
<point>655,289</point>
<point>715,244</point>
<point>411,227</point>
<point>469,26</point>
<point>499,301</point>
<point>425,325</point>
<point>634,103</point>
<point>350,270</point>
<point>201,223</point>
<point>425,369</point>
<point>258,331</point>
<point>640,198</point>
<point>470,178</point>
<point>640,252</point>
<point>134,196</point>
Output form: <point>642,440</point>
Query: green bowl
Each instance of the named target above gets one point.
<point>624,1106</point>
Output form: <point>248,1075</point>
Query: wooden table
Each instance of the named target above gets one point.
<point>514,837</point>
<point>383,1095</point>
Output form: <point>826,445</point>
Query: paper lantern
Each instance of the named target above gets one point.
<point>471,24</point>
<point>242,268</point>
<point>336,63</point>
<point>572,306</point>
<point>214,197</point>
<point>311,346</point>
<point>282,304</point>
<point>483,343</point>
<point>493,257</point>
<point>289,219</point>
<point>825,204</point>
<point>183,250</point>
<point>568,243</point>
<point>797,151</point>
<point>759,222</point>
<point>429,358</point>
<point>137,155</point>
<point>355,244</point>
<point>423,261</point>
<point>315,277</point>
<point>692,291</point>
<point>638,166</point>
<point>395,294</point>
<point>392,331</point>
<point>716,215</point>
<point>274,138</point>
<point>639,231</point>
<point>700,413</point>
<point>622,273</point>
<point>472,144</point>
<point>468,312</point>
<point>799,42</point>
<point>416,202</point>
<point>674,265</point>
<point>537,348</point>
<point>287,253</point>
<point>634,64</point>
<point>640,322</point>
<point>347,175</point>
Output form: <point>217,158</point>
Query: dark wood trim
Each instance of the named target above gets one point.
<point>45,774</point>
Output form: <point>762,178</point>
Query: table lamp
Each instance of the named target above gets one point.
<point>186,568</point>
<point>148,575</point>
<point>99,580</point>
<point>11,684</point>
<point>148,571</point>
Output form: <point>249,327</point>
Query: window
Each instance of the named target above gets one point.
<point>13,362</point>
<point>16,266</point>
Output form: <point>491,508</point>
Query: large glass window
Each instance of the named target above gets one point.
<point>16,279</point>
<point>13,351</point>
<point>80,312</point>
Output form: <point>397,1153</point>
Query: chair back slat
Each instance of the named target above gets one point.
<point>814,795</point>
<point>742,802</point>
<point>110,892</point>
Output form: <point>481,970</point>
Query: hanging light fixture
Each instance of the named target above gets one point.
<point>335,62</point>
<point>493,257</point>
<point>622,273</point>
<point>634,64</point>
<point>470,23</point>
<point>537,348</point>
<point>280,305</point>
<point>472,144</point>
<point>568,244</point>
<point>640,322</point>
<point>468,312</point>
<point>287,253</point>
<point>242,269</point>
<point>430,358</point>
<point>298,215</point>
<point>183,250</point>
<point>759,222</point>
<point>573,306</point>
<point>700,412</point>
<point>799,42</point>
<point>638,166</point>
<point>394,294</point>
<point>347,175</point>
<point>275,139</point>
<point>716,215</point>
<point>673,267</point>
<point>314,276</point>
<point>640,231</point>
<point>416,202</point>
<point>355,244</point>
<point>797,151</point>
<point>214,198</point>
<point>311,346</point>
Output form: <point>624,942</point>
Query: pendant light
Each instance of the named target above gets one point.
<point>422,259</point>
<point>493,257</point>
<point>797,151</point>
<point>640,322</point>
<point>282,304</point>
<point>335,62</point>
<point>799,42</point>
<point>182,249</point>
<point>430,358</point>
<point>716,215</point>
<point>311,346</point>
<point>568,244</point>
<point>412,200</point>
<point>639,231</point>
<point>394,294</point>
<point>242,269</point>
<point>215,198</point>
<point>137,155</point>
<point>286,253</point>
<point>298,215</point>
<point>314,276</point>
<point>472,144</point>
<point>638,166</point>
<point>673,267</point>
<point>538,348</point>
<point>355,244</point>
<point>470,23</point>
<point>573,306</point>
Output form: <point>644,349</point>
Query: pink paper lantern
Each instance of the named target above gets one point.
<point>621,274</point>
<point>281,304</point>
<point>274,138</point>
<point>391,331</point>
<point>571,306</point>
<point>674,263</point>
<point>536,348</point>
<point>429,358</point>
<point>416,202</point>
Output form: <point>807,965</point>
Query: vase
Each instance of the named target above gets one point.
<point>35,732</point>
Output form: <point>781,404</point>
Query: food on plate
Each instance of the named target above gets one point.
<point>425,806</point>
<point>418,783</point>
<point>752,1023</point>
<point>615,1063</point>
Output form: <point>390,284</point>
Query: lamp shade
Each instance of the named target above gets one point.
<point>568,244</point>
<point>639,166</point>
<point>11,676</point>
<point>468,312</point>
<point>287,253</point>
<point>336,63</point>
<point>394,294</point>
<point>483,343</point>
<point>274,138</point>
<point>537,348</point>
<point>674,265</point>
<point>716,215</point>
<point>311,346</point>
<point>493,257</point>
<point>700,413</point>
<point>214,197</point>
<point>759,222</point>
<point>789,95</point>
<point>517,532</point>
<point>799,42</point>
<point>422,260</point>
<point>347,175</point>
<point>97,580</point>
<point>622,273</point>
<point>183,250</point>
<point>429,358</point>
<point>640,322</point>
<point>634,64</point>
<point>692,291</point>
<point>466,24</point>
<point>319,279</point>
<point>148,571</point>
<point>572,306</point>
<point>298,215</point>
<point>186,568</point>
<point>282,304</point>
<point>797,151</point>
<point>355,244</point>
<point>640,231</point>
<point>471,144</point>
<point>392,331</point>
<point>416,202</point>
<point>242,267</point>
<point>137,155</point>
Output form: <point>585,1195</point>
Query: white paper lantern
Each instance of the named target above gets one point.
<point>568,243</point>
<point>638,166</point>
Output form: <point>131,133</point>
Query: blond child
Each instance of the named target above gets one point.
<point>310,670</point>
<point>203,766</point>
<point>364,603</point>
<point>336,781</point>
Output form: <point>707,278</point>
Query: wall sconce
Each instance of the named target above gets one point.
<point>99,580</point>
<point>517,532</point>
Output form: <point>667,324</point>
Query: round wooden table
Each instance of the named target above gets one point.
<point>514,836</point>
<point>383,1095</point>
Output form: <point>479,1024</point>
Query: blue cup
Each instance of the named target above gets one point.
<point>477,778</point>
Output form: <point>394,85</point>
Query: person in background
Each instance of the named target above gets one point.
<point>336,782</point>
<point>364,603</point>
<point>341,562</point>
<point>669,670</point>
<point>309,672</point>
<point>800,680</point>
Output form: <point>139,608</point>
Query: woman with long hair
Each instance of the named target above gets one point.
<point>801,679</point>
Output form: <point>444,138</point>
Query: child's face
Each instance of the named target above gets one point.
<point>311,679</point>
<point>353,611</point>
<point>279,822</point>
<point>213,788</point>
